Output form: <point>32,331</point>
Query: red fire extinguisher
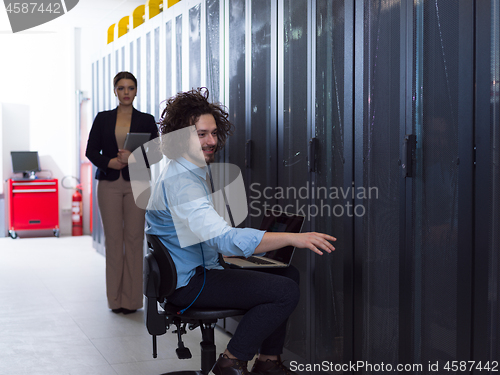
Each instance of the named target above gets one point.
<point>77,212</point>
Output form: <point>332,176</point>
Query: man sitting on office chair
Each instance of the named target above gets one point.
<point>182,215</point>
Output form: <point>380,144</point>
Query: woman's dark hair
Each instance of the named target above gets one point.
<point>124,75</point>
<point>183,110</point>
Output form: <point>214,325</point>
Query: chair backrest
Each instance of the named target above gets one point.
<point>168,272</point>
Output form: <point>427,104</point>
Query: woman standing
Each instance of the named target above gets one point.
<point>122,220</point>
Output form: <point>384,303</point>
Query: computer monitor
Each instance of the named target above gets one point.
<point>25,162</point>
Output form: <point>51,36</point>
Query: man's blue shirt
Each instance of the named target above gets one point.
<point>181,213</point>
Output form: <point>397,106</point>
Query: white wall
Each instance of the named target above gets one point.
<point>14,121</point>
<point>14,135</point>
<point>38,71</point>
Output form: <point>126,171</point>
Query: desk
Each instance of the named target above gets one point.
<point>33,205</point>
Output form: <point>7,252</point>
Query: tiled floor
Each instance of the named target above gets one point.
<point>54,317</point>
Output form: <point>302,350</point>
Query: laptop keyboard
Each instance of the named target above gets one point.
<point>258,260</point>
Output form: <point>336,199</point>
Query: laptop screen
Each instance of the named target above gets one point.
<point>276,221</point>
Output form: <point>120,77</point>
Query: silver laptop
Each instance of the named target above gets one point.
<point>273,221</point>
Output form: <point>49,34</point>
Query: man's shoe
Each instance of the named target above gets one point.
<point>269,367</point>
<point>228,366</point>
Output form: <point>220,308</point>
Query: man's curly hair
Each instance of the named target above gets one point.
<point>183,110</point>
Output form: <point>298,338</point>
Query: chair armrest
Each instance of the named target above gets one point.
<point>155,322</point>
<point>151,277</point>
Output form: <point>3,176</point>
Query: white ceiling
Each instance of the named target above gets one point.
<point>100,13</point>
<point>87,14</point>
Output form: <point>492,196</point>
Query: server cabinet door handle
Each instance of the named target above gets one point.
<point>408,155</point>
<point>311,154</point>
<point>248,154</point>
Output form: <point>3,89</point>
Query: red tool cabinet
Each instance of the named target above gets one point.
<point>33,204</point>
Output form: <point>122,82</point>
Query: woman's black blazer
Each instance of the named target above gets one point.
<point>102,146</point>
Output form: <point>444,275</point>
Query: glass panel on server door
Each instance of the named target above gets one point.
<point>293,140</point>
<point>495,172</point>
<point>102,86</point>
<point>329,207</point>
<point>236,70</point>
<point>138,75</point>
<point>147,76</point>
<point>178,47</point>
<point>195,46</point>
<point>117,60</point>
<point>436,183</point>
<point>131,50</point>
<point>122,60</point>
<point>486,330</point>
<point>260,150</point>
<point>494,230</point>
<point>168,60</point>
<point>156,76</point>
<point>213,49</point>
<point>377,196</point>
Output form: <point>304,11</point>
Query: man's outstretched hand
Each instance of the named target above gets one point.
<point>317,242</point>
<point>313,241</point>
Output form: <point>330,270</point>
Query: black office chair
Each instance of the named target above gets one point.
<point>160,280</point>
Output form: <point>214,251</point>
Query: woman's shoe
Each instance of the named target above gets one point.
<point>127,311</point>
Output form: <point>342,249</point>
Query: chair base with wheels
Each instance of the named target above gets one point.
<point>160,280</point>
